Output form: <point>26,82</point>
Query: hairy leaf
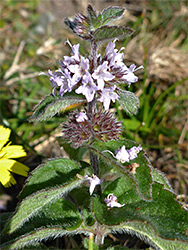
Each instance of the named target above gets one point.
<point>53,172</point>
<point>51,105</point>
<point>167,217</point>
<point>111,32</point>
<point>35,237</point>
<point>110,14</point>
<point>92,15</point>
<point>128,101</point>
<point>34,204</point>
<point>146,232</point>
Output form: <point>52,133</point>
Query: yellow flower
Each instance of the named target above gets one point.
<point>8,165</point>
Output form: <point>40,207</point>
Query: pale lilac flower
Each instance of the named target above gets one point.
<point>79,70</point>
<point>101,75</point>
<point>88,87</point>
<point>133,152</point>
<point>56,79</point>
<point>81,117</point>
<point>75,57</point>
<point>129,75</point>
<point>122,155</point>
<point>93,181</point>
<point>107,95</point>
<point>114,57</point>
<point>111,201</point>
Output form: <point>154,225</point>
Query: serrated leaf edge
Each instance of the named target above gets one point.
<point>78,182</point>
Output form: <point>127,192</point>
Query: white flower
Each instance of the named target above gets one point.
<point>122,155</point>
<point>111,201</point>
<point>93,181</point>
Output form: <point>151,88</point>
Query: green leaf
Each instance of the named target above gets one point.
<point>128,101</point>
<point>92,16</point>
<point>74,153</point>
<point>146,232</point>
<point>111,32</point>
<point>131,124</point>
<point>59,171</point>
<point>4,217</point>
<point>35,237</point>
<point>164,214</point>
<point>51,105</point>
<point>34,204</point>
<point>142,177</point>
<point>110,14</point>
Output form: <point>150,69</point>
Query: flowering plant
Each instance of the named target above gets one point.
<point>117,189</point>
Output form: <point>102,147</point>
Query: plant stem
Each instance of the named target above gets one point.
<point>90,247</point>
<point>91,106</point>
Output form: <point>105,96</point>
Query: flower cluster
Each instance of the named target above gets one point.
<point>79,129</point>
<point>124,155</point>
<point>76,74</point>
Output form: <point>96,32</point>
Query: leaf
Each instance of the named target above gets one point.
<point>4,217</point>
<point>128,101</point>
<point>53,172</point>
<point>111,14</point>
<point>34,204</point>
<point>142,178</point>
<point>146,233</point>
<point>111,32</point>
<point>74,153</point>
<point>92,15</point>
<point>51,105</point>
<point>35,237</point>
<point>164,215</point>
<point>131,124</point>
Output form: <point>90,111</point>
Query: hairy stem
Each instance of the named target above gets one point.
<point>91,106</point>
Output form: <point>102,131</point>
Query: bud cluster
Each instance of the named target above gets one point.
<point>80,129</point>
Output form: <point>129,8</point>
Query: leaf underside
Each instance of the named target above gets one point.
<point>51,105</point>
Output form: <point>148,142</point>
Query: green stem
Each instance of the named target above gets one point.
<point>91,106</point>
<point>90,245</point>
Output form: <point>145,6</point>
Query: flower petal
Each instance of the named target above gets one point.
<point>13,151</point>
<point>6,178</point>
<point>14,166</point>
<point>4,135</point>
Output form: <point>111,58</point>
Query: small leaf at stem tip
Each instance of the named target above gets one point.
<point>92,16</point>
<point>111,32</point>
<point>111,14</point>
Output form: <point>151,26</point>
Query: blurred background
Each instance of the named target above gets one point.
<point>33,39</point>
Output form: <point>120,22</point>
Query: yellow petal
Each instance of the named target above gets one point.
<point>4,135</point>
<point>14,166</point>
<point>13,151</point>
<point>6,178</point>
